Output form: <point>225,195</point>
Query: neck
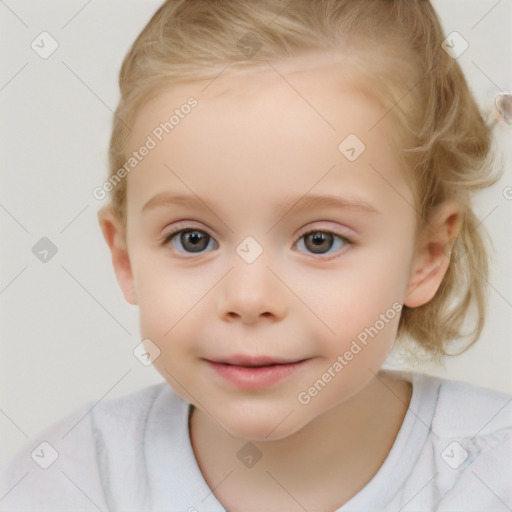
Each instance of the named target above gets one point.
<point>339,450</point>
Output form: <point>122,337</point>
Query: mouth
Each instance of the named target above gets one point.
<point>254,362</point>
<point>251,373</point>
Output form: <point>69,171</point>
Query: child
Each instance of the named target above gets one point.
<point>291,186</point>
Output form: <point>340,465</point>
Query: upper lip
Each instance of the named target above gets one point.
<point>253,361</point>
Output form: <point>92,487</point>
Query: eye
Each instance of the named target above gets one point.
<point>189,240</point>
<point>196,241</point>
<point>321,242</point>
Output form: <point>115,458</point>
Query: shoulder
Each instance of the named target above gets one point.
<point>468,452</point>
<point>467,410</point>
<point>73,463</point>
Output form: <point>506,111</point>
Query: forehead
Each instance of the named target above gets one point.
<point>284,125</point>
<point>310,85</point>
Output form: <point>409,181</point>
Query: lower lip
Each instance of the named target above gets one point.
<point>244,377</point>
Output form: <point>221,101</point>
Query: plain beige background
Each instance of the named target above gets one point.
<point>67,335</point>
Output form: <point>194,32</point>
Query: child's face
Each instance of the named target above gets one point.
<point>252,147</point>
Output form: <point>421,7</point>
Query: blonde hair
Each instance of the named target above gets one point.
<point>397,48</point>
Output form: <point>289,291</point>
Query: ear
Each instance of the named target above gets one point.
<point>432,254</point>
<point>115,237</point>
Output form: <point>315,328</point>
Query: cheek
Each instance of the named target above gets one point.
<point>358,310</point>
<point>162,298</point>
<point>353,295</point>
<point>352,357</point>
<point>173,303</point>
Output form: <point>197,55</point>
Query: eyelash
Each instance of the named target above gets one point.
<point>346,240</point>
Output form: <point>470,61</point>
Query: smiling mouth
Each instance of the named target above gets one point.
<point>254,373</point>
<point>254,362</point>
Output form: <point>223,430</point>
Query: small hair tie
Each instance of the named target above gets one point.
<point>503,104</point>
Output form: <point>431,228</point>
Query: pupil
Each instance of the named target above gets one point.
<point>193,240</point>
<point>320,242</point>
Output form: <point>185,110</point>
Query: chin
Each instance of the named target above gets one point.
<point>260,424</point>
<point>258,432</point>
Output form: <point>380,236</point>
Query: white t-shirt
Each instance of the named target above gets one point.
<point>133,453</point>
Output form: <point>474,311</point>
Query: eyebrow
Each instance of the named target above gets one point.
<point>312,201</point>
<point>292,205</point>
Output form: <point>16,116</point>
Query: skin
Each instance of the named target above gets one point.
<point>252,143</point>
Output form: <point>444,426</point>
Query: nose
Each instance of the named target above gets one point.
<point>250,292</point>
